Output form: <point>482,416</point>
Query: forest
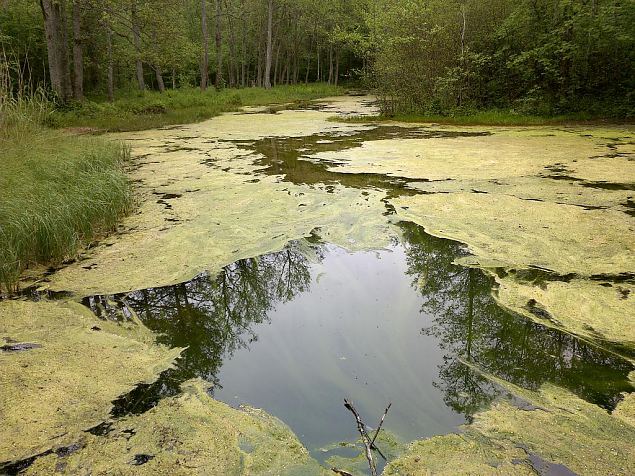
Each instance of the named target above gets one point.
<point>544,57</point>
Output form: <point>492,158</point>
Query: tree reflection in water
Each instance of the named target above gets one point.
<point>470,326</point>
<point>215,316</point>
<point>210,316</point>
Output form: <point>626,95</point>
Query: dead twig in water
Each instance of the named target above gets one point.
<point>341,472</point>
<point>381,422</point>
<point>365,438</point>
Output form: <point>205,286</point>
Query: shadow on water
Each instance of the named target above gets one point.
<point>296,331</point>
<point>290,157</point>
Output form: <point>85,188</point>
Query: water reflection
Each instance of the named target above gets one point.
<point>296,331</point>
<point>470,326</point>
<point>291,157</point>
<point>212,317</point>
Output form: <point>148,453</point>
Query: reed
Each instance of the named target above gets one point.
<point>58,192</point>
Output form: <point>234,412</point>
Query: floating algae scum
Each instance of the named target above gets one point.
<point>481,279</point>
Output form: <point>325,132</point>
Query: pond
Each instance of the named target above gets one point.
<point>460,274</point>
<point>296,331</point>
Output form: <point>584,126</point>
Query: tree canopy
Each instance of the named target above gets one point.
<point>421,56</point>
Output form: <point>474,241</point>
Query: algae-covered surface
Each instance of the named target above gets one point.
<point>69,369</point>
<point>480,279</point>
<point>188,434</point>
<point>549,431</point>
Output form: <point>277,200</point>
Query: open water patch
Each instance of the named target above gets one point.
<point>296,331</point>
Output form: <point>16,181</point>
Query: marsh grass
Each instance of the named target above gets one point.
<point>57,191</point>
<point>151,109</point>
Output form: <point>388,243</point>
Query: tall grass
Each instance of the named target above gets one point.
<point>57,191</point>
<point>151,109</point>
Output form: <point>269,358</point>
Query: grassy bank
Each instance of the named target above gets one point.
<point>150,109</point>
<point>57,191</point>
<point>490,118</point>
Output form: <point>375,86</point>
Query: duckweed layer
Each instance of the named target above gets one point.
<point>203,207</point>
<point>528,433</point>
<point>64,384</point>
<point>188,434</point>
<point>543,200</point>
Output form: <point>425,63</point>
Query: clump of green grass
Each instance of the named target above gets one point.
<point>57,191</point>
<point>151,109</point>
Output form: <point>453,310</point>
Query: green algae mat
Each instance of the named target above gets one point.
<point>480,279</point>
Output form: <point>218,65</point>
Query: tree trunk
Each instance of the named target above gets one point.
<point>234,72</point>
<point>111,69</point>
<point>205,59</point>
<point>68,80</point>
<point>173,78</point>
<point>159,75</point>
<point>337,67</point>
<point>330,64</point>
<point>78,54</point>
<point>56,48</point>
<point>269,46</point>
<point>275,66</point>
<point>136,36</point>
<point>243,59</point>
<point>219,52</point>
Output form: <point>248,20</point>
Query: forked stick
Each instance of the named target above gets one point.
<point>365,438</point>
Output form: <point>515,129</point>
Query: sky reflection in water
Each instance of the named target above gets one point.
<point>297,331</point>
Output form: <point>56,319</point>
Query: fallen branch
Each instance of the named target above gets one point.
<point>365,438</point>
<point>381,422</point>
<point>341,472</point>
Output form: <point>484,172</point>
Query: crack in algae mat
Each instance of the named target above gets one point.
<point>481,279</point>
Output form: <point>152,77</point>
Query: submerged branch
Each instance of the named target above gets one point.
<point>365,438</point>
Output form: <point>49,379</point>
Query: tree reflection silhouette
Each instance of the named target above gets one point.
<point>210,316</point>
<point>471,327</point>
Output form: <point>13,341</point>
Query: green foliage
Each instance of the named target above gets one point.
<point>532,57</point>
<point>57,192</point>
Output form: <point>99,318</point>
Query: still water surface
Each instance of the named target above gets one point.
<point>296,331</point>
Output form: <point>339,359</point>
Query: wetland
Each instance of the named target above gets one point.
<point>482,279</point>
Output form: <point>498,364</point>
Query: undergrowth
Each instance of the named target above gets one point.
<point>150,109</point>
<point>487,118</point>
